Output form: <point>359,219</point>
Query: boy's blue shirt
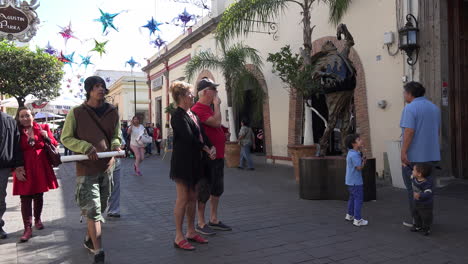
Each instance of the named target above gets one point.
<point>353,160</point>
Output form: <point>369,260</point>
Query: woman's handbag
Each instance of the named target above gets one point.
<point>145,139</point>
<point>52,152</point>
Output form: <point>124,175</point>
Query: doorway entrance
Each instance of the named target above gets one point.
<point>158,111</point>
<point>458,63</point>
<point>252,112</point>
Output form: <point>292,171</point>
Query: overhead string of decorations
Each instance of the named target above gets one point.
<point>109,23</point>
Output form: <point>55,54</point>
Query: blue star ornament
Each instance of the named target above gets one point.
<point>49,49</point>
<point>85,60</point>
<point>132,63</point>
<point>158,42</point>
<point>152,26</point>
<point>107,20</point>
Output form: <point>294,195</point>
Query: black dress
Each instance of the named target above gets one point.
<point>187,153</point>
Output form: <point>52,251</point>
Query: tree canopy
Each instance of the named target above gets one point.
<point>24,72</point>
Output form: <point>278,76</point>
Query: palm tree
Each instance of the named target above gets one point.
<point>233,65</point>
<point>242,16</point>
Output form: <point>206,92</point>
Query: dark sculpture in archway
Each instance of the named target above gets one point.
<point>336,76</point>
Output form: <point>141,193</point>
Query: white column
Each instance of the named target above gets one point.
<point>308,132</point>
<point>232,125</point>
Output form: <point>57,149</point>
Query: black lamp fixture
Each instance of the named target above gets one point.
<point>409,41</point>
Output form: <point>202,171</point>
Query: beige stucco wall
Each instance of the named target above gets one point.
<point>367,21</point>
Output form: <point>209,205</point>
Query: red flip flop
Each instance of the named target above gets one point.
<point>198,239</point>
<point>184,245</point>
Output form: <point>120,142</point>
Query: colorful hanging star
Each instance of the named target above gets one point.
<point>158,42</point>
<point>66,59</point>
<point>49,49</point>
<point>152,25</point>
<point>100,47</point>
<point>184,18</point>
<point>85,60</point>
<point>132,63</point>
<point>107,20</point>
<point>67,33</point>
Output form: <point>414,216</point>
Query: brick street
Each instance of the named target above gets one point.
<point>270,224</point>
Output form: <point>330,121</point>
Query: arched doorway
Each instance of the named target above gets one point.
<point>258,113</point>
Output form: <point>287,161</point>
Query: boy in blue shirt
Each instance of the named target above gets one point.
<point>423,198</point>
<point>355,162</point>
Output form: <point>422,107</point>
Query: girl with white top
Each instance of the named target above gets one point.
<point>136,130</point>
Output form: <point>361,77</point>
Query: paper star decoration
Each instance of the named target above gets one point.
<point>66,59</point>
<point>185,18</point>
<point>152,25</point>
<point>107,20</point>
<point>49,49</point>
<point>85,60</point>
<point>132,63</point>
<point>100,47</point>
<point>158,42</point>
<point>67,33</point>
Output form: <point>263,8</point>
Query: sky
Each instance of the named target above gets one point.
<point>130,40</point>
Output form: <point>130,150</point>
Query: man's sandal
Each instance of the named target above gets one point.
<point>184,245</point>
<point>197,239</point>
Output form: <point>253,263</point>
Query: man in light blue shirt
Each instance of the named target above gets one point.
<point>420,124</point>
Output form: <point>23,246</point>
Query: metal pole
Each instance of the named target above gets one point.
<point>134,95</point>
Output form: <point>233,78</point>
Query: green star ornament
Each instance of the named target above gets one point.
<point>99,47</point>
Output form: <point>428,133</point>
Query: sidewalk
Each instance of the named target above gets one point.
<point>270,224</point>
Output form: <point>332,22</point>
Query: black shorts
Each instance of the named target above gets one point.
<point>212,182</point>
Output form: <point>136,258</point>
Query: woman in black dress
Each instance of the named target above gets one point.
<point>190,147</point>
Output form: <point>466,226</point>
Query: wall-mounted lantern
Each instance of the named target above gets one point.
<point>409,41</point>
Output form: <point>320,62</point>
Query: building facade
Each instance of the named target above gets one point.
<point>123,91</point>
<point>381,68</point>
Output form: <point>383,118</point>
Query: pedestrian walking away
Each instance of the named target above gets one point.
<point>190,147</point>
<point>91,128</point>
<point>157,136</point>
<point>136,130</point>
<point>247,142</point>
<point>150,131</point>
<point>420,124</point>
<point>211,186</point>
<point>39,176</point>
<point>355,162</point>
<point>11,158</point>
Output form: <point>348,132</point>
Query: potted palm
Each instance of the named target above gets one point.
<point>232,63</point>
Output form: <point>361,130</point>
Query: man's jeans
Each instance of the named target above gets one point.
<point>407,172</point>
<point>4,173</point>
<point>245,156</point>
<point>114,200</point>
<point>148,148</point>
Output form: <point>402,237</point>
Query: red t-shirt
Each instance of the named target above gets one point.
<point>214,134</point>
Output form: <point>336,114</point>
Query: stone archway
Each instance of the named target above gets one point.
<point>203,74</point>
<point>360,93</point>
<point>266,109</point>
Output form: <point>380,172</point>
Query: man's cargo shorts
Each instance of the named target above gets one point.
<point>92,193</point>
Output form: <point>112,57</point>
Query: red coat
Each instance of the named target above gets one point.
<point>40,176</point>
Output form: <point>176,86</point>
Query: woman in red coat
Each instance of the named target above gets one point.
<point>39,176</point>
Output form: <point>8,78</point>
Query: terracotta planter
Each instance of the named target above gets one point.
<point>300,151</point>
<point>232,154</point>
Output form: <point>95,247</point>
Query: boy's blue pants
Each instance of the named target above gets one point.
<point>356,198</point>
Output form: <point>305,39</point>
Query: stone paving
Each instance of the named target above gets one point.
<point>270,224</point>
